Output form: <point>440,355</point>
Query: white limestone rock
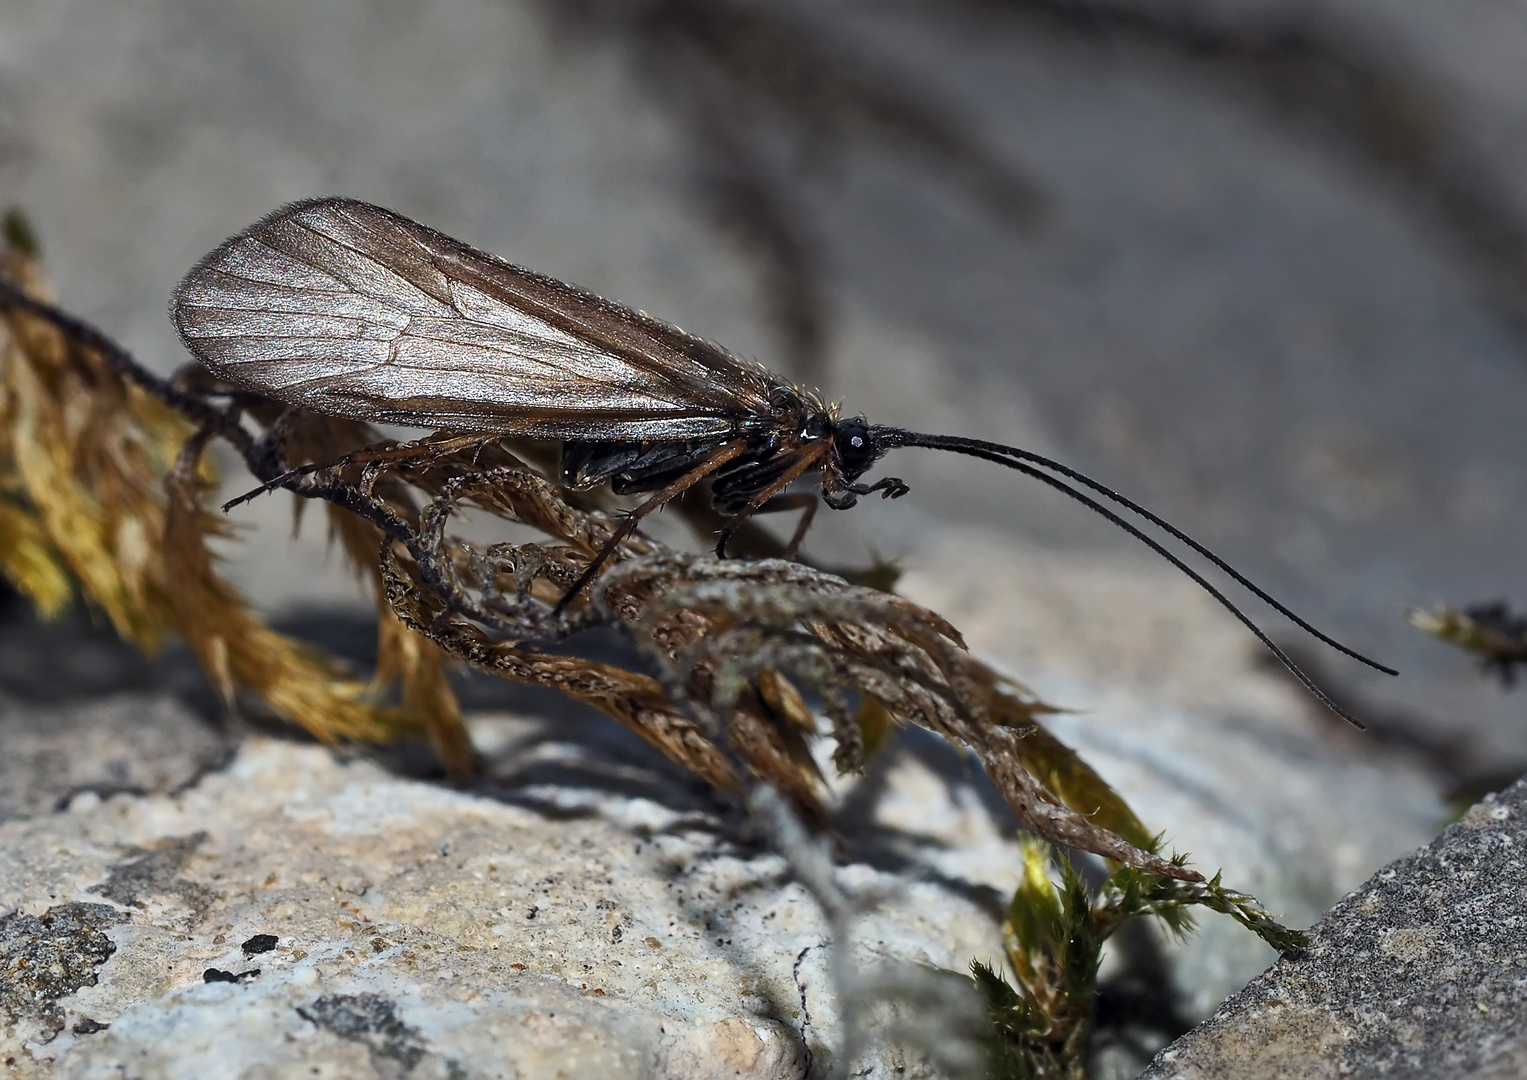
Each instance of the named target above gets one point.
<point>437,933</point>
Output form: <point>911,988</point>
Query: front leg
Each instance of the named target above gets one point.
<point>890,487</point>
<point>842,498</point>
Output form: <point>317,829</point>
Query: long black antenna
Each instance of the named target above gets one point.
<point>1024,461</point>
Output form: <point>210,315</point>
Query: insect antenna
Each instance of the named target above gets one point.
<point>1025,461</point>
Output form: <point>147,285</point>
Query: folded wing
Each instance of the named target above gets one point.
<point>345,308</point>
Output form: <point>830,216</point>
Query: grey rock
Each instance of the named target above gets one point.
<point>429,932</point>
<point>1420,973</point>
<point>56,751</point>
<point>594,865</point>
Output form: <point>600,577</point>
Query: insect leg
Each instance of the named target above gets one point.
<point>381,457</point>
<point>281,480</point>
<point>709,464</point>
<point>805,501</point>
<point>805,459</point>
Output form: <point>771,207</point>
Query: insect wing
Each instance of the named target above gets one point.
<point>345,308</point>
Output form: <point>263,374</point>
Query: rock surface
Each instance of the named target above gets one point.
<point>138,743</point>
<point>1420,973</point>
<point>410,904</point>
<point>434,933</point>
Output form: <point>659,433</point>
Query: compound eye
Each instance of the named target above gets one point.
<point>856,448</point>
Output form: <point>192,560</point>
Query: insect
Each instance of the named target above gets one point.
<point>348,309</point>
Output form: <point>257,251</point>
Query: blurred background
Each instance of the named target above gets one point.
<point>1261,265</point>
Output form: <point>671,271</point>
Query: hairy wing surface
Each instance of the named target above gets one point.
<point>345,308</point>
